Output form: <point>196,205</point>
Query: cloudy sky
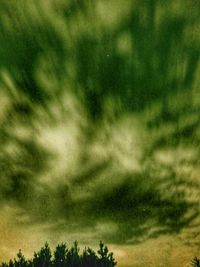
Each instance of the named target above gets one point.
<point>99,127</point>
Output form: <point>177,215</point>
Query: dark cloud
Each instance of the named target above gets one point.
<point>99,127</point>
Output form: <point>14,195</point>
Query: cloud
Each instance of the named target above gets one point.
<point>96,143</point>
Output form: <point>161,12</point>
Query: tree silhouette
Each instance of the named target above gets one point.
<point>196,262</point>
<point>43,257</point>
<point>106,258</point>
<point>60,255</point>
<point>63,257</point>
<point>89,258</point>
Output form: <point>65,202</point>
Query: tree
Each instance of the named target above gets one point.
<point>60,255</point>
<point>63,257</point>
<point>43,257</point>
<point>196,262</point>
<point>106,258</point>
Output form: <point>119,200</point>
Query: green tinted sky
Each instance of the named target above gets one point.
<point>99,125</point>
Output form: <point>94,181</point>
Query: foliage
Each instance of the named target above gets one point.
<point>196,262</point>
<point>64,257</point>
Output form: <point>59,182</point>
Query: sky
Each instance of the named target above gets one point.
<point>99,127</point>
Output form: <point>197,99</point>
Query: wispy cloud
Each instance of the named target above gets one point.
<point>99,120</point>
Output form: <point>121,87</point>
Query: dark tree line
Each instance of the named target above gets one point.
<point>64,257</point>
<point>196,262</point>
